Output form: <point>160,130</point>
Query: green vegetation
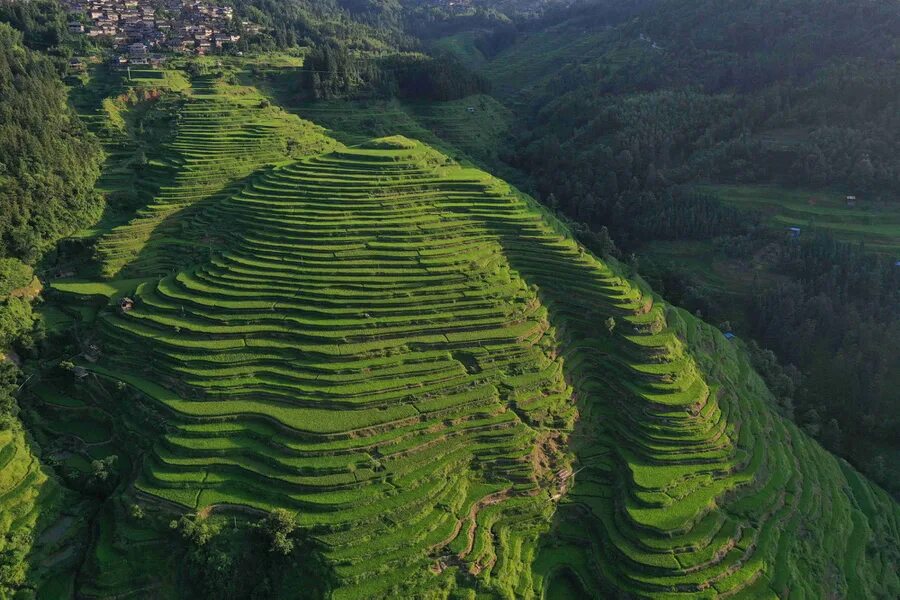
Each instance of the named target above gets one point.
<point>654,125</point>
<point>353,380</point>
<point>224,133</point>
<point>875,224</point>
<point>31,500</point>
<point>14,275</point>
<point>49,164</point>
<point>386,352</point>
<point>335,358</point>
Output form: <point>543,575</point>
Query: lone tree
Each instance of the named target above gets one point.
<point>610,324</point>
<point>198,531</point>
<point>278,527</point>
<point>101,469</point>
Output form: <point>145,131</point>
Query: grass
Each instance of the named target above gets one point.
<point>397,347</point>
<point>875,225</point>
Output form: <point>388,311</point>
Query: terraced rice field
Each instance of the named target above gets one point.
<point>361,353</point>
<point>29,498</point>
<point>224,133</point>
<point>396,348</point>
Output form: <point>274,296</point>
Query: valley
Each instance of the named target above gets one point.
<point>421,364</point>
<point>446,300</point>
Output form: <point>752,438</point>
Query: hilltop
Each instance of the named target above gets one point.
<point>445,390</point>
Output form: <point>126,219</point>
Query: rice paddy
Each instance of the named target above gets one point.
<point>419,362</point>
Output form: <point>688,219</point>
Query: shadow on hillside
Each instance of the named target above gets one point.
<point>56,543</point>
<point>134,160</point>
<point>565,304</point>
<point>189,236</point>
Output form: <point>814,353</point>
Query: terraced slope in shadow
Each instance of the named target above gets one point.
<point>687,484</point>
<point>223,134</point>
<point>30,502</point>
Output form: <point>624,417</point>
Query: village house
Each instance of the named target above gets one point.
<point>194,26</point>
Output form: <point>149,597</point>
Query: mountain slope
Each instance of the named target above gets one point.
<point>396,348</point>
<point>652,126</point>
<point>30,501</point>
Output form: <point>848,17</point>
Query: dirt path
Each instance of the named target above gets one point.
<point>488,500</point>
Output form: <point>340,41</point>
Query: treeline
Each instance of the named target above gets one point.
<point>367,25</point>
<point>331,71</point>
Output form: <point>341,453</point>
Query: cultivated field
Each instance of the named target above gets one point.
<point>865,221</point>
<point>445,388</point>
<point>30,500</point>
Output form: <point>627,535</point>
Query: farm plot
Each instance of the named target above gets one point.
<point>367,321</point>
<point>396,348</point>
<point>686,479</point>
<point>877,225</point>
<point>30,502</point>
<point>223,133</point>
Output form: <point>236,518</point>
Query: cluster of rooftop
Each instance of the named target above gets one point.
<point>139,28</point>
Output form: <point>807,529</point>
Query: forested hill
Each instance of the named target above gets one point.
<point>363,24</point>
<point>625,109</point>
<point>803,92</point>
<point>48,164</point>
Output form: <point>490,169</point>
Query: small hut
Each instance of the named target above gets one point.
<point>126,304</point>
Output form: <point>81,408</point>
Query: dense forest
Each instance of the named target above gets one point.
<point>792,93</point>
<point>48,166</point>
<point>685,105</point>
<point>49,162</point>
<point>368,25</point>
<point>332,72</point>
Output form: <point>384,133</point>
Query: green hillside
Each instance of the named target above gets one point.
<point>452,396</point>
<point>32,534</point>
<point>693,135</point>
<point>224,133</point>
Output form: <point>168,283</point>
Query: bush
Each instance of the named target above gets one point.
<point>14,274</point>
<point>278,527</point>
